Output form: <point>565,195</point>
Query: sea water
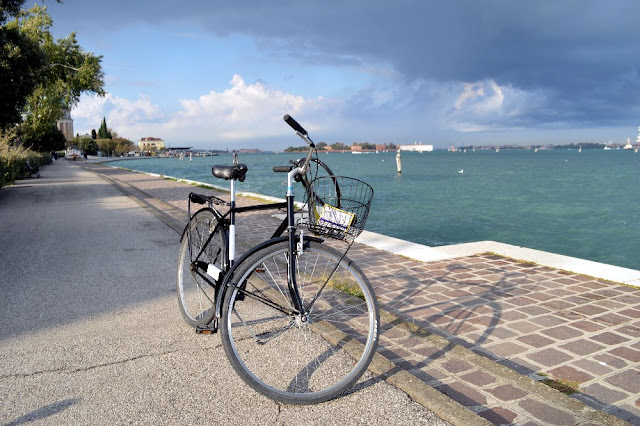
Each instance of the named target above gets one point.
<point>582,204</point>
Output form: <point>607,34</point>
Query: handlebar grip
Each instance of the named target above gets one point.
<point>282,169</point>
<point>294,124</point>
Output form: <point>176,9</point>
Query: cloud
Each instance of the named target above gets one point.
<point>485,105</point>
<point>122,115</point>
<point>244,113</point>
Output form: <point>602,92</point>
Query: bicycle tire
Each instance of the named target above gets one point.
<point>284,357</point>
<point>196,296</point>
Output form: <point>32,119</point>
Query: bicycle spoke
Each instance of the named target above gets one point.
<point>299,357</point>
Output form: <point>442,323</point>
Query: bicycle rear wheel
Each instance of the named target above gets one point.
<point>294,358</point>
<point>197,282</point>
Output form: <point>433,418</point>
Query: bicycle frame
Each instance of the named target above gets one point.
<point>295,242</point>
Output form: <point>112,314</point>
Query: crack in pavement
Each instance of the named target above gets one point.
<point>93,367</point>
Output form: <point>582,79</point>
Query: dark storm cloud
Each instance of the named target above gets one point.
<point>583,56</point>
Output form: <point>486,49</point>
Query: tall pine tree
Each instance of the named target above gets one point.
<point>104,133</point>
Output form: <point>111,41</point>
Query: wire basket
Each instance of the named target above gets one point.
<point>338,206</point>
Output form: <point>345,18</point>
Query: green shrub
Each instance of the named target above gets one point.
<point>12,159</point>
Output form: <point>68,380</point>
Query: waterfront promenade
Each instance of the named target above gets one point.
<point>465,330</point>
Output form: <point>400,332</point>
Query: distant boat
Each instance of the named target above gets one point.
<point>628,145</point>
<point>535,150</point>
<point>580,149</point>
<point>497,149</point>
<point>607,147</point>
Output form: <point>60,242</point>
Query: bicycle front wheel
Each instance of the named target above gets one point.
<point>300,358</point>
<point>197,280</point>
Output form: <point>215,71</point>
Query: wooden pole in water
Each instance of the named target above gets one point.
<point>399,162</point>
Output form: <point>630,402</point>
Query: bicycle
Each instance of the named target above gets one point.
<point>298,318</point>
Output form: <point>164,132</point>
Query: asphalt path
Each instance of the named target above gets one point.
<point>90,332</point>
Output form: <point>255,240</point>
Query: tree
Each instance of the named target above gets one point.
<point>39,75</point>
<point>88,145</point>
<point>21,61</point>
<point>94,135</point>
<point>124,146</point>
<point>338,146</point>
<point>103,133</point>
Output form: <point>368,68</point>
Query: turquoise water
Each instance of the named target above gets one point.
<point>585,205</point>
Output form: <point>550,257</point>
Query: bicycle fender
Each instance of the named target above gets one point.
<point>229,275</point>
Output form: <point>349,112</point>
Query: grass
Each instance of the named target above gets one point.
<point>567,387</point>
<point>349,288</point>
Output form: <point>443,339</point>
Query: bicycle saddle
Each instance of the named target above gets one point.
<point>237,172</point>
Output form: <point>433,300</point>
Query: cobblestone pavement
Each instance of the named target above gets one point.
<point>484,330</point>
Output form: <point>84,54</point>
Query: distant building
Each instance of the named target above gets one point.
<point>65,125</point>
<point>356,147</point>
<point>151,144</point>
<point>416,148</point>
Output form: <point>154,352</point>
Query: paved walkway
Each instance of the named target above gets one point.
<point>484,330</point>
<point>90,333</point>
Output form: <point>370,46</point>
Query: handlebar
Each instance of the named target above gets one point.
<point>300,131</point>
<point>294,125</point>
<point>282,169</point>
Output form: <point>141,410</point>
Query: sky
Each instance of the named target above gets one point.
<point>221,74</point>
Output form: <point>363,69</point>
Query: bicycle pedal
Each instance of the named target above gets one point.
<point>206,330</point>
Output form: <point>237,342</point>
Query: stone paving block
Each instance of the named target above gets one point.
<point>506,349</point>
<point>463,394</point>
<point>629,299</point>
<point>628,380</point>
<point>582,347</point>
<point>568,315</point>
<point>456,366</point>
<point>612,361</point>
<point>632,313</point>
<point>609,338</point>
<point>549,357</point>
<point>593,367</point>
<point>626,353</point>
<point>536,340</point>
<point>478,378</point>
<point>594,285</point>
<point>547,413</point>
<point>562,332</point>
<point>507,392</point>
<point>629,330</point>
<point>603,394</point>
<point>585,325</point>
<point>524,326</point>
<point>498,415</point>
<point>611,319</point>
<point>548,321</point>
<point>589,309</point>
<point>569,373</point>
<point>533,310</point>
<point>501,333</point>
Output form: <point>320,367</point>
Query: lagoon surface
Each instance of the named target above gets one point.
<point>585,205</point>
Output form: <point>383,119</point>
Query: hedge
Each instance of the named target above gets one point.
<point>12,161</point>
